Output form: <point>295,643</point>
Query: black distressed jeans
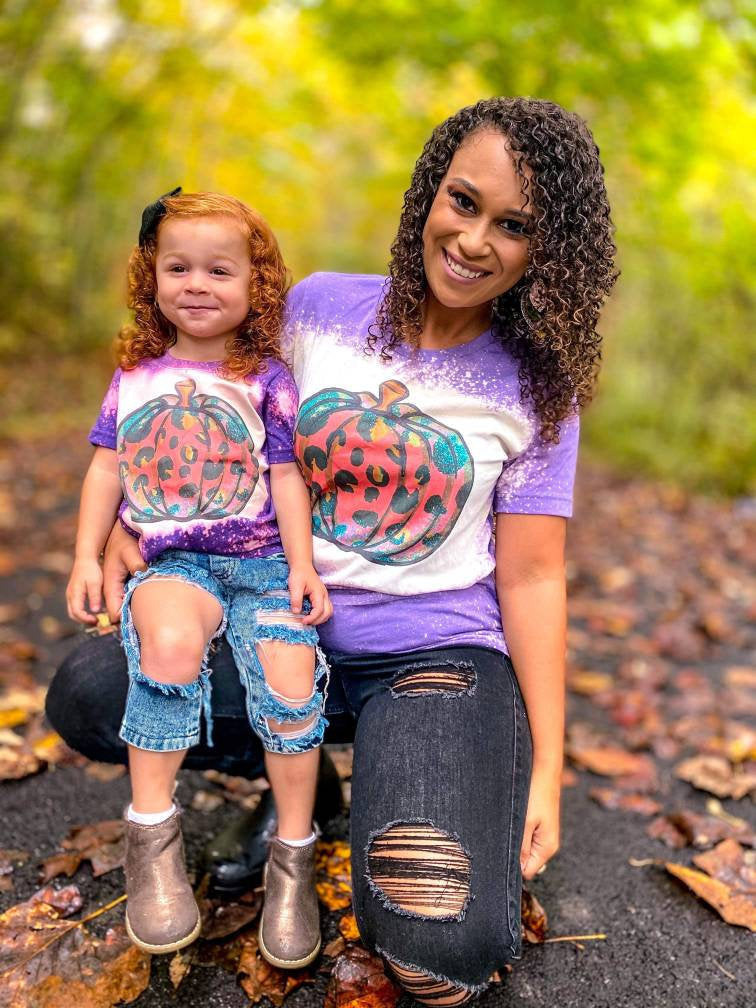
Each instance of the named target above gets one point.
<point>442,762</point>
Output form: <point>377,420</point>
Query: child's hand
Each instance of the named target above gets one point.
<point>305,581</point>
<point>84,585</point>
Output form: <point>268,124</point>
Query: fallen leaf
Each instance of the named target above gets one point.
<point>259,979</point>
<point>718,776</point>
<point>178,968</point>
<point>13,718</point>
<point>534,920</point>
<point>730,863</point>
<point>9,861</point>
<point>244,792</point>
<point>611,761</point>
<point>589,683</point>
<point>707,830</point>
<point>103,844</point>
<point>17,761</point>
<point>105,772</point>
<point>206,801</point>
<point>49,962</point>
<point>11,611</point>
<point>611,798</point>
<point>733,906</point>
<point>220,919</point>
<point>333,874</point>
<point>334,947</point>
<point>663,829</point>
<point>358,980</point>
<point>30,700</point>
<point>348,927</point>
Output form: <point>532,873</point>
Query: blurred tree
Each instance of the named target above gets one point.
<point>315,111</point>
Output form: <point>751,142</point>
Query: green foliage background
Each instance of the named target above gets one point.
<point>314,112</point>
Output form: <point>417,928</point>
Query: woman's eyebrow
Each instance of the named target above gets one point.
<point>508,212</point>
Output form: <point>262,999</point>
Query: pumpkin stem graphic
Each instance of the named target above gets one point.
<point>185,390</point>
<point>391,392</point>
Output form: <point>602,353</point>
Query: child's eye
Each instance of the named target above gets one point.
<point>462,200</point>
<point>177,269</point>
<point>219,271</point>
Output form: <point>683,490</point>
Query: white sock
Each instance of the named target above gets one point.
<point>149,818</point>
<point>298,843</point>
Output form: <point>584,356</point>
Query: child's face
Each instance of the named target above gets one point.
<point>202,267</point>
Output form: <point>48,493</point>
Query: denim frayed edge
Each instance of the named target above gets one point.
<point>131,641</point>
<point>445,694</point>
<point>391,958</point>
<point>280,745</point>
<point>389,904</point>
<point>290,635</point>
<point>281,602</point>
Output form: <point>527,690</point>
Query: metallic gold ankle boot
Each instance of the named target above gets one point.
<point>161,912</point>
<point>289,935</point>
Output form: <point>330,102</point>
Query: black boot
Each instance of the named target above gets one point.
<point>235,858</point>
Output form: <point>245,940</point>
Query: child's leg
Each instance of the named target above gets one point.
<point>290,672</point>
<point>174,621</point>
<point>167,625</point>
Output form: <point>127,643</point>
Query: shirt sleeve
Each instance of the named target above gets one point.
<point>541,480</point>
<point>279,414</point>
<point>103,434</point>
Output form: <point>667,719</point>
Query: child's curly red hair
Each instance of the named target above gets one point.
<point>151,334</point>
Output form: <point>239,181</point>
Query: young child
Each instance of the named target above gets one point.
<point>194,447</point>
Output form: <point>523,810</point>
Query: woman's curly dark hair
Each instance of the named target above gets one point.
<point>258,337</point>
<point>547,321</point>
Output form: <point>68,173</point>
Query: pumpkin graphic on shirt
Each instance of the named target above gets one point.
<point>184,457</point>
<point>386,480</point>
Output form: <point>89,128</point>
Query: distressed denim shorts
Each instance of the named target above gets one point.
<point>254,596</point>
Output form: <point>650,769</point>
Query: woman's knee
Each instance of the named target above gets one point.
<point>87,696</point>
<point>415,907</point>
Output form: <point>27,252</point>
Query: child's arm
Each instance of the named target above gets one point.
<point>531,585</point>
<point>292,503</point>
<point>100,499</point>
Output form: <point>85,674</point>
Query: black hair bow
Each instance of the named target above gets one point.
<point>152,215</point>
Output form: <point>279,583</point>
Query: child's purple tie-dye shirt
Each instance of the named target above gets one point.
<point>407,462</point>
<point>194,451</point>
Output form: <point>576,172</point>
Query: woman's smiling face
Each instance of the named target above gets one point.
<point>475,239</point>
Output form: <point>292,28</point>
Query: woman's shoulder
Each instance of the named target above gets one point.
<point>332,294</point>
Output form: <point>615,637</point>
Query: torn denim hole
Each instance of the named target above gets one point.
<point>439,678</point>
<point>202,685</point>
<point>417,870</point>
<point>429,987</point>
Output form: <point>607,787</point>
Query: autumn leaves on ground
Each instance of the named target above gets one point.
<point>661,691</point>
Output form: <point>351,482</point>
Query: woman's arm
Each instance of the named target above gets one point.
<point>531,585</point>
<point>100,497</point>
<point>292,504</point>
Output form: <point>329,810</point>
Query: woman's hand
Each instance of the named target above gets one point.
<point>541,837</point>
<point>305,581</point>
<point>84,590</point>
<point>122,559</point>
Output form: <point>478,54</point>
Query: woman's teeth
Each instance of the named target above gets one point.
<point>460,270</point>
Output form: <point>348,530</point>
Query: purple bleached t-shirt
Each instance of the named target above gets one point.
<point>407,461</point>
<point>194,450</point>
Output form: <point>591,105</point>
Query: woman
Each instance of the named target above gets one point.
<point>428,404</point>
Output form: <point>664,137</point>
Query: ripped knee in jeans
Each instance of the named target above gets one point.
<point>286,723</point>
<point>417,870</point>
